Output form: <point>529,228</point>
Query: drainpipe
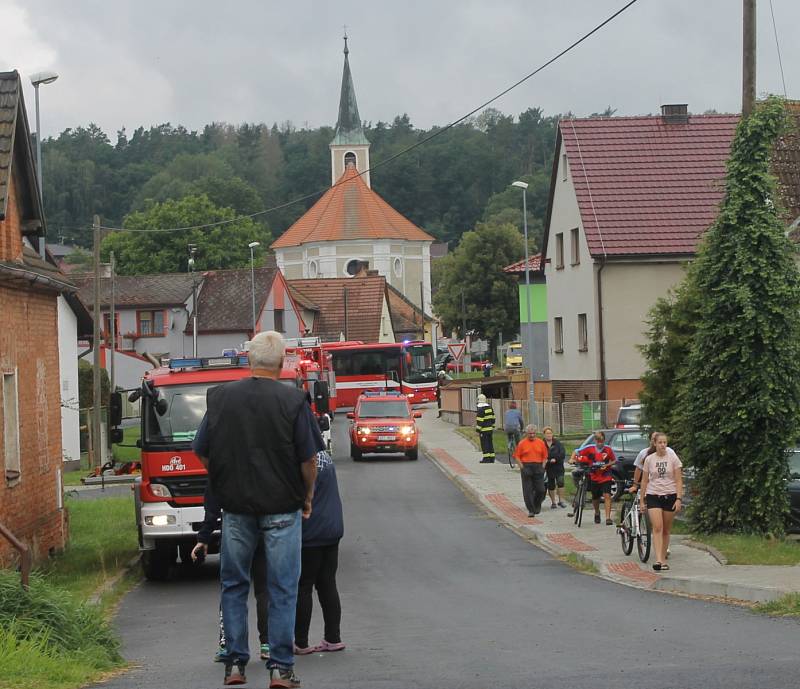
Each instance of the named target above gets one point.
<point>602,345</point>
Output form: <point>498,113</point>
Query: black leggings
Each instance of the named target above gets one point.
<point>319,571</point>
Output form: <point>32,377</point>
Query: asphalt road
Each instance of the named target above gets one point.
<point>437,594</point>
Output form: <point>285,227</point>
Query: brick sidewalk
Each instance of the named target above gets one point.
<point>497,488</point>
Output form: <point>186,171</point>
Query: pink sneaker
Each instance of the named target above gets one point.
<point>326,647</point>
<point>304,651</point>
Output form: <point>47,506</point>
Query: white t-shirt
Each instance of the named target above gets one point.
<point>661,473</point>
<point>639,461</point>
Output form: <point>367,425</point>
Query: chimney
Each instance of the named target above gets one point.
<point>675,113</point>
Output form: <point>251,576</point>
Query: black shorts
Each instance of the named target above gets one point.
<point>599,489</point>
<point>661,502</point>
<point>555,476</point>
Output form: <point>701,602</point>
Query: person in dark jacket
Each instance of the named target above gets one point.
<point>554,468</point>
<point>484,424</point>
<point>321,535</point>
<point>258,572</point>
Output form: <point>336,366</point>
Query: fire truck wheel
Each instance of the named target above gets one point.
<point>156,563</point>
<point>412,454</point>
<point>355,453</point>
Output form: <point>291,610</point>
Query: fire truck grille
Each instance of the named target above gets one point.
<point>384,429</point>
<point>185,486</point>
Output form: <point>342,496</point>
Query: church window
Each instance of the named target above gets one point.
<point>352,267</point>
<point>349,158</point>
<point>313,269</point>
<point>397,266</point>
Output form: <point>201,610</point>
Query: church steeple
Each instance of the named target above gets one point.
<point>349,144</point>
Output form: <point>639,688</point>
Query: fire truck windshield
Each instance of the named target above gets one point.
<point>186,405</point>
<point>418,364</point>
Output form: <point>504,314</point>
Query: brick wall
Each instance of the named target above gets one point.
<point>29,345</point>
<point>576,390</point>
<point>10,237</point>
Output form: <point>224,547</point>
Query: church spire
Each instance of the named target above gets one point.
<point>348,126</point>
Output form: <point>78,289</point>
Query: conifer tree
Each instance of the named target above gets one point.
<point>740,402</point>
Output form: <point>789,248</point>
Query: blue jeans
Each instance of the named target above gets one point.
<point>282,542</point>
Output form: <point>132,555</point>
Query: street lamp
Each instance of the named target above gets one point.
<point>192,265</point>
<point>528,333</point>
<point>38,79</point>
<point>252,246</point>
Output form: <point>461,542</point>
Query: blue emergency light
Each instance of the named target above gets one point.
<point>209,362</point>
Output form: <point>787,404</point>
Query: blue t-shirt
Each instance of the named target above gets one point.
<point>307,438</point>
<point>325,526</point>
<point>512,420</point>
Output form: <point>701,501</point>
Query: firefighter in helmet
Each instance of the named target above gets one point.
<point>484,424</point>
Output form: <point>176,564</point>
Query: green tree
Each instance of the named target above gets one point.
<point>143,249</point>
<point>476,269</point>
<point>740,405</point>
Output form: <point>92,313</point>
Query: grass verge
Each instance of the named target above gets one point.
<point>751,550</point>
<point>786,606</point>
<point>578,563</point>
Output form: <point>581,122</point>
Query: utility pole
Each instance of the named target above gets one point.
<point>97,459</point>
<point>112,319</point>
<point>422,309</point>
<point>748,57</point>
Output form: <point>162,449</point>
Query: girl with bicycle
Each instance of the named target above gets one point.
<point>662,486</point>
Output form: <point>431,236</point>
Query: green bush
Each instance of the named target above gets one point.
<point>54,622</point>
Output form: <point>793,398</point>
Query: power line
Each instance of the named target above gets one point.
<point>778,46</point>
<point>404,151</point>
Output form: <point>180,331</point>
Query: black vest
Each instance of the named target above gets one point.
<point>253,464</point>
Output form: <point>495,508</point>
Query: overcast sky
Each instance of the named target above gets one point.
<point>130,63</point>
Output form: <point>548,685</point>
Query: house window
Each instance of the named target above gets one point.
<point>107,329</point>
<point>11,426</point>
<point>313,269</point>
<point>564,167</point>
<point>150,323</point>
<point>575,254</point>
<point>278,318</point>
<point>558,339</point>
<point>560,251</point>
<point>583,333</point>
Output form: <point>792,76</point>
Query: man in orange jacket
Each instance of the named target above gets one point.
<point>531,455</point>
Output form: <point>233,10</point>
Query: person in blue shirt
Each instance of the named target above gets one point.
<point>322,532</point>
<point>513,425</point>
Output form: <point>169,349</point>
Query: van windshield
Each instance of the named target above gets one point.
<point>382,410</point>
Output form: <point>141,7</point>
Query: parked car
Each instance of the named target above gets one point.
<point>629,416</point>
<point>514,355</point>
<point>793,487</point>
<point>626,443</point>
<point>383,422</point>
<point>441,360</point>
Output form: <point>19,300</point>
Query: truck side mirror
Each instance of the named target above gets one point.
<point>116,436</point>
<point>115,409</point>
<point>351,415</point>
<point>321,396</point>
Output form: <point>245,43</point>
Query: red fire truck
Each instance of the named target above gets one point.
<point>169,494</point>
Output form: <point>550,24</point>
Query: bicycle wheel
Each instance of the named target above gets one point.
<point>581,502</point>
<point>626,529</point>
<point>644,539</point>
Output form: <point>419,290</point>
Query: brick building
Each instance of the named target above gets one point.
<point>30,415</point>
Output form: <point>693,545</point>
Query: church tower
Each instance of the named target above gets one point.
<point>349,144</point>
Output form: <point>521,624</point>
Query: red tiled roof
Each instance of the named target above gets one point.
<point>350,210</point>
<point>535,264</point>
<point>164,289</point>
<point>645,186</point>
<point>365,296</point>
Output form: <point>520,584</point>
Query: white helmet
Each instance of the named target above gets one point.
<point>481,399</point>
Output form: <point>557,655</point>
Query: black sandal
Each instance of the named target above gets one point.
<point>665,567</point>
<point>657,566</point>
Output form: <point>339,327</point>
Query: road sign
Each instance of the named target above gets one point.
<point>457,350</point>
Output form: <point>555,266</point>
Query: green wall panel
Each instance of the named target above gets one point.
<point>538,295</point>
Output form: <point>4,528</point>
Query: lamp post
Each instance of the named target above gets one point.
<point>191,265</point>
<point>37,80</point>
<point>528,333</point>
<point>252,246</point>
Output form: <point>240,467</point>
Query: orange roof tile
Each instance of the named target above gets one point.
<point>350,210</point>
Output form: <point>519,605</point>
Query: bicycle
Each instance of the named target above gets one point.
<point>634,526</point>
<point>581,476</point>
<point>511,444</point>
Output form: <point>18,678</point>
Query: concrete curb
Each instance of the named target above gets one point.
<point>710,549</point>
<point>666,583</point>
<point>111,583</point>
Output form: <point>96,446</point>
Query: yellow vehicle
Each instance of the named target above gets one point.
<point>514,355</point>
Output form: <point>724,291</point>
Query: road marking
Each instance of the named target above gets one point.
<point>630,570</point>
<point>511,510</point>
<point>567,540</point>
<point>450,462</point>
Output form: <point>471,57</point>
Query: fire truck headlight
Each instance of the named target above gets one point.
<point>159,520</point>
<point>160,490</point>
<point>363,429</point>
<point>407,430</point>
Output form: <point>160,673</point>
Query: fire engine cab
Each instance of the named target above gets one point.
<point>169,494</point>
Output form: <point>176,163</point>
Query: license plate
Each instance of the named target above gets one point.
<point>385,437</point>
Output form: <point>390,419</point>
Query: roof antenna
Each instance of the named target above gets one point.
<point>346,50</point>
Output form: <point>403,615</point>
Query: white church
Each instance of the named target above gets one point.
<point>351,227</point>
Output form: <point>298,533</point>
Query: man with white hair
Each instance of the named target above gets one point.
<point>259,441</point>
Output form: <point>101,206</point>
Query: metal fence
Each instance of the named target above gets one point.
<point>565,418</point>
